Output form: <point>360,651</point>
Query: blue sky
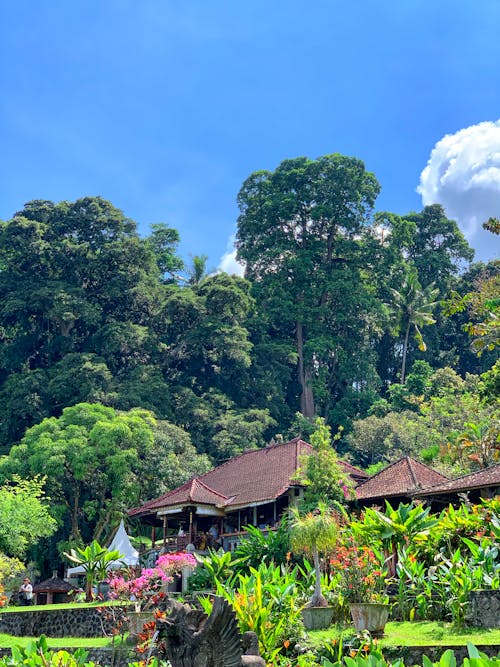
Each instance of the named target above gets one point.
<point>166,107</point>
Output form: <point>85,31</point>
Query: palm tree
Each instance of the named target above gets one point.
<point>198,269</point>
<point>315,531</point>
<point>413,308</point>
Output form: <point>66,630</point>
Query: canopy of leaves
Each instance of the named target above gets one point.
<point>24,515</point>
<point>92,457</point>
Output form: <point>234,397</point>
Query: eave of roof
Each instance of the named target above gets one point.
<point>480,479</point>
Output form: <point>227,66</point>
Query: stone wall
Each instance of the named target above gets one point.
<point>483,609</point>
<point>78,622</point>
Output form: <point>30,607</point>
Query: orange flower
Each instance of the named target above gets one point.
<point>286,643</point>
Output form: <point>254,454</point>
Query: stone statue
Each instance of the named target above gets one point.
<point>189,638</point>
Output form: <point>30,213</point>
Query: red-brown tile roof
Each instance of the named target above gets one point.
<point>357,474</point>
<point>489,477</point>
<point>400,478</point>
<point>193,492</point>
<point>53,585</point>
<point>252,477</point>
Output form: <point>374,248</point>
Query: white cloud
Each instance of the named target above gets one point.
<point>229,263</point>
<point>463,174</point>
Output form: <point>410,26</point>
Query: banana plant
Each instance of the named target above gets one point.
<point>95,560</point>
<point>395,528</point>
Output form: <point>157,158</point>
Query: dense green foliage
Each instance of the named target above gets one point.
<point>92,312</point>
<point>24,516</point>
<point>438,559</point>
<point>124,372</point>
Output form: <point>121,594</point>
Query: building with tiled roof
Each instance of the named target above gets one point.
<point>53,590</point>
<point>398,482</point>
<point>477,485</point>
<point>252,488</point>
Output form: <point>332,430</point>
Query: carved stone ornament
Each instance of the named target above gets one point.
<point>189,638</point>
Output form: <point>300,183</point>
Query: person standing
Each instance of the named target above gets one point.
<point>26,592</point>
<point>213,535</point>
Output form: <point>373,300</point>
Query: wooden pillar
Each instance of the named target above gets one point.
<point>153,537</point>
<point>165,526</point>
<point>255,516</point>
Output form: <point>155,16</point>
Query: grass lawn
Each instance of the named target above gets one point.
<point>425,633</point>
<point>8,641</point>
<point>396,634</point>
<point>67,605</point>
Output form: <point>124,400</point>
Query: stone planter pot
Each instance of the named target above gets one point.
<point>371,616</point>
<point>317,618</point>
<point>137,620</point>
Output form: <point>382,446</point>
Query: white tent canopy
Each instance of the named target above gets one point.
<point>120,542</point>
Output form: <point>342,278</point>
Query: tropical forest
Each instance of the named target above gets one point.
<point>126,370</point>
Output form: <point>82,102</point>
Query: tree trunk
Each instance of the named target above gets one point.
<point>74,512</point>
<point>405,351</point>
<point>317,600</point>
<point>305,377</point>
<point>101,524</point>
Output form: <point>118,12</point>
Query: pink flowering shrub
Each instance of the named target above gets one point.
<point>151,579</point>
<point>173,563</point>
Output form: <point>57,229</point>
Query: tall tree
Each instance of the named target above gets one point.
<point>79,291</point>
<point>297,235</point>
<point>436,247</point>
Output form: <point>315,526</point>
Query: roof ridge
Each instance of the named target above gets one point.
<point>467,474</point>
<point>297,454</point>
<point>209,488</point>
<point>191,489</point>
<point>164,496</point>
<point>412,472</point>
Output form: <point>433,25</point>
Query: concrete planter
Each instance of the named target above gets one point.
<point>370,616</point>
<point>317,618</point>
